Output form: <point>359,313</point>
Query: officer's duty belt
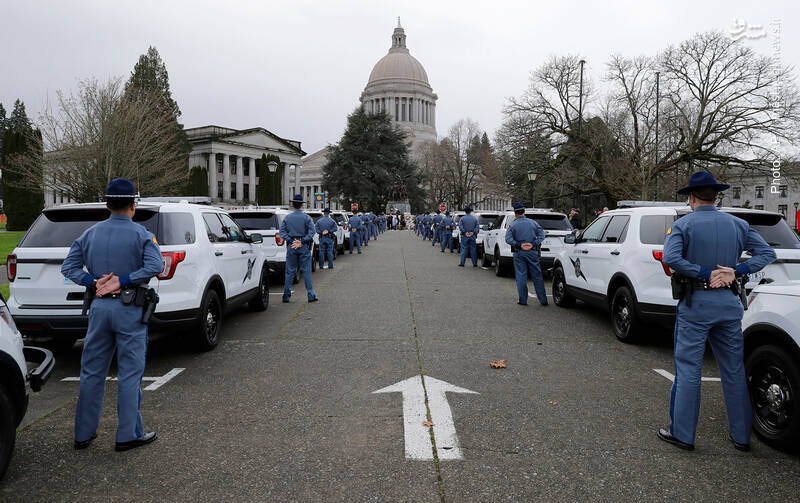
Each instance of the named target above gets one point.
<point>109,296</point>
<point>701,284</point>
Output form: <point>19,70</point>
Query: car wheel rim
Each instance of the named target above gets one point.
<point>264,291</point>
<point>212,322</point>
<point>558,291</point>
<point>497,263</point>
<point>622,315</point>
<point>771,394</point>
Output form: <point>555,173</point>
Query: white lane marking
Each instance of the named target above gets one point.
<point>485,268</point>
<point>534,296</point>
<point>157,381</point>
<point>671,377</point>
<point>279,293</point>
<point>417,436</point>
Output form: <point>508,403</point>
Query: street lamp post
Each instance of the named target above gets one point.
<point>580,131</point>
<point>797,227</point>
<point>532,178</point>
<point>272,166</point>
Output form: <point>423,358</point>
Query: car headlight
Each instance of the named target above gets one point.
<point>6,315</point>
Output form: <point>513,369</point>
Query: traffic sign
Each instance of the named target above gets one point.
<point>319,196</point>
<point>354,207</point>
<point>442,207</point>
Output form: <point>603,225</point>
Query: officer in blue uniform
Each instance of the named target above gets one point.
<point>704,247</point>
<point>525,235</point>
<point>426,225</point>
<point>437,224</point>
<point>373,225</point>
<point>118,255</point>
<point>326,228</point>
<point>469,228</point>
<point>297,229</point>
<point>363,228</point>
<point>446,234</point>
<point>354,224</point>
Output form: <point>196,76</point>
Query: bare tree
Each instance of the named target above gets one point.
<point>98,134</point>
<point>462,154</point>
<point>431,163</point>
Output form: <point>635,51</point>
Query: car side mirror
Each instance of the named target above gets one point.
<point>570,239</point>
<point>256,239</point>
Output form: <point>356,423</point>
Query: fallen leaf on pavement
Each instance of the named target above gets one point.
<point>538,343</point>
<point>498,364</point>
<point>427,424</point>
<point>553,402</point>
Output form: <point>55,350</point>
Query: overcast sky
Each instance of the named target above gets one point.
<point>298,67</point>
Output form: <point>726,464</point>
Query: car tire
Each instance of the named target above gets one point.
<point>500,265</point>
<point>624,319</point>
<point>209,322</point>
<point>8,430</point>
<point>261,301</point>
<point>479,251</point>
<point>486,261</point>
<point>774,381</point>
<point>314,259</point>
<point>560,296</point>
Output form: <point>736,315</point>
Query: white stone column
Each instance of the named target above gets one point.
<point>226,177</point>
<point>212,175</point>
<point>297,173</point>
<point>239,179</point>
<point>252,194</point>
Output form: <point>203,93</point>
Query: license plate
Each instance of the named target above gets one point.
<point>756,276</point>
<point>547,242</point>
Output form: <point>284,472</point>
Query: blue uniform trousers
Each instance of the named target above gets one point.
<point>526,263</point>
<point>435,238</point>
<point>469,246</point>
<point>426,232</point>
<point>326,251</point>
<point>355,240</point>
<point>365,236</point>
<point>374,229</point>
<point>112,325</point>
<point>447,240</point>
<point>301,258</point>
<point>716,316</point>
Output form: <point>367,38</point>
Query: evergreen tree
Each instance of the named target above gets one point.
<point>3,119</point>
<point>19,119</point>
<point>371,165</point>
<point>149,80</point>
<point>21,206</point>
<point>198,182</point>
<point>264,188</point>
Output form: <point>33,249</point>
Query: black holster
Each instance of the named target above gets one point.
<point>682,288</point>
<point>88,297</point>
<point>141,296</point>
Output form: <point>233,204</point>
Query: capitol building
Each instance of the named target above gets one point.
<point>398,85</point>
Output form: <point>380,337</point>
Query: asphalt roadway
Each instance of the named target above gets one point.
<point>284,409</point>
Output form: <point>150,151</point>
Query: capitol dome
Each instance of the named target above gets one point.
<point>398,85</point>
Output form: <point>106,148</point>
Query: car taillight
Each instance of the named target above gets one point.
<point>278,240</point>
<point>11,268</point>
<point>659,255</point>
<point>170,261</point>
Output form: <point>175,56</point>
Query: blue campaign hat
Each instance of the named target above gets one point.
<point>468,208</point>
<point>326,210</point>
<point>703,179</point>
<point>297,198</point>
<point>518,206</point>
<point>120,187</point>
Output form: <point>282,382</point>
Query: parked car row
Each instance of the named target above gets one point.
<point>615,264</point>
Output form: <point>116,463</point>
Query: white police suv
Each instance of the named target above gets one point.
<point>771,328</point>
<point>16,380</point>
<point>496,251</point>
<point>339,246</point>
<point>266,221</point>
<point>615,262</point>
<point>210,265</point>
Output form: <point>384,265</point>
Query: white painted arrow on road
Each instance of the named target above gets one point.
<point>417,436</point>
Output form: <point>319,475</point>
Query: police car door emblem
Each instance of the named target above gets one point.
<point>577,265</point>
<point>250,264</point>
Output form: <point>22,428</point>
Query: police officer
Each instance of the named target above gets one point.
<point>354,224</point>
<point>373,225</point>
<point>297,229</point>
<point>525,235</point>
<point>118,254</point>
<point>704,247</point>
<point>363,228</point>
<point>469,228</point>
<point>326,228</point>
<point>437,223</point>
<point>427,221</point>
<point>446,234</point>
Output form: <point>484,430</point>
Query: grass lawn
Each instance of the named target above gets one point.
<point>8,241</point>
<point>4,290</point>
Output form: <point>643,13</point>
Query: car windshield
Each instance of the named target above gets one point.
<point>772,227</point>
<point>315,216</point>
<point>59,228</point>
<point>339,219</point>
<point>551,222</point>
<point>257,221</point>
<point>486,219</point>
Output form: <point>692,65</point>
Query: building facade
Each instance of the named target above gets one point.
<point>764,191</point>
<point>230,157</point>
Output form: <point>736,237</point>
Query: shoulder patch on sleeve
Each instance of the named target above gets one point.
<point>155,241</point>
<point>669,231</point>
